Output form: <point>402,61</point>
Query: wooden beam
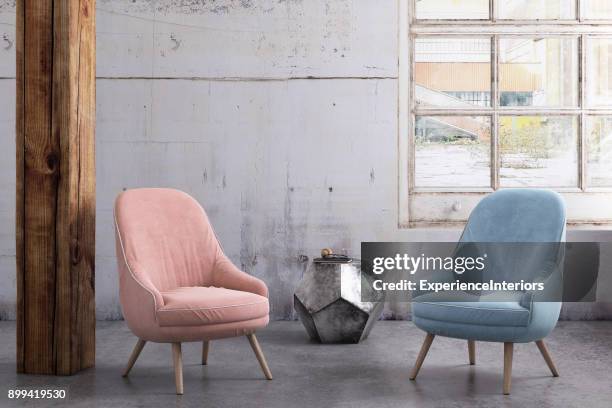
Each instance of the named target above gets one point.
<point>55,212</point>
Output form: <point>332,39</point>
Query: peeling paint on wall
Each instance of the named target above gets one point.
<point>7,5</point>
<point>197,6</point>
<point>244,39</point>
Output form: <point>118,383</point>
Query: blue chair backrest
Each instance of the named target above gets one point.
<point>520,216</point>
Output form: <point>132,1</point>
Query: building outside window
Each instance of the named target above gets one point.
<point>504,94</point>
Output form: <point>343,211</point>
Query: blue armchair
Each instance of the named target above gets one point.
<point>506,216</point>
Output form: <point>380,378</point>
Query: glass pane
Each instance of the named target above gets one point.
<point>599,72</point>
<point>452,9</point>
<point>538,151</point>
<point>453,72</point>
<point>598,9</point>
<point>539,72</point>
<point>453,151</point>
<point>537,9</point>
<point>599,151</point>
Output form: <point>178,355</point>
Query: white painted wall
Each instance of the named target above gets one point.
<point>279,116</point>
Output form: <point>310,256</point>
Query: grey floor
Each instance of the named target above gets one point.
<point>371,374</point>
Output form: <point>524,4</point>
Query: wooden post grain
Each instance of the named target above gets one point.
<point>55,185</point>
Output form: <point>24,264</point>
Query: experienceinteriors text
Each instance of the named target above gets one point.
<point>425,285</point>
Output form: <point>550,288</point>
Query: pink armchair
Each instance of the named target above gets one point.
<point>176,284</point>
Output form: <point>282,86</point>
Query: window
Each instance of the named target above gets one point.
<point>505,94</point>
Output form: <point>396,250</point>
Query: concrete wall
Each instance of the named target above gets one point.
<point>7,159</point>
<point>279,116</point>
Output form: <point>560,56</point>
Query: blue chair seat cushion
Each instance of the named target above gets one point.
<point>468,308</point>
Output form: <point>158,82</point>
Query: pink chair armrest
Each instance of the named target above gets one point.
<point>227,275</point>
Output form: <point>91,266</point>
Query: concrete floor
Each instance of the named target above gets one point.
<point>371,374</point>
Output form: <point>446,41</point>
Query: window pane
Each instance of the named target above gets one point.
<point>453,151</point>
<point>538,151</point>
<point>599,151</point>
<point>598,9</point>
<point>452,9</point>
<point>534,10</point>
<point>453,72</point>
<point>599,71</point>
<point>539,72</point>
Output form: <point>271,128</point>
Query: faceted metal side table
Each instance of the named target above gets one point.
<point>328,302</point>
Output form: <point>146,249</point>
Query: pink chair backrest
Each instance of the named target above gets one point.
<point>166,237</point>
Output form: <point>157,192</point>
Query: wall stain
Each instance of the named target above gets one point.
<point>220,10</point>
<point>9,43</point>
<point>246,235</point>
<point>177,42</point>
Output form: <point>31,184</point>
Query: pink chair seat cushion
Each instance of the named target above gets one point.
<point>199,305</point>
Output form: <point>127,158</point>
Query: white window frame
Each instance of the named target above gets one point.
<point>588,207</point>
